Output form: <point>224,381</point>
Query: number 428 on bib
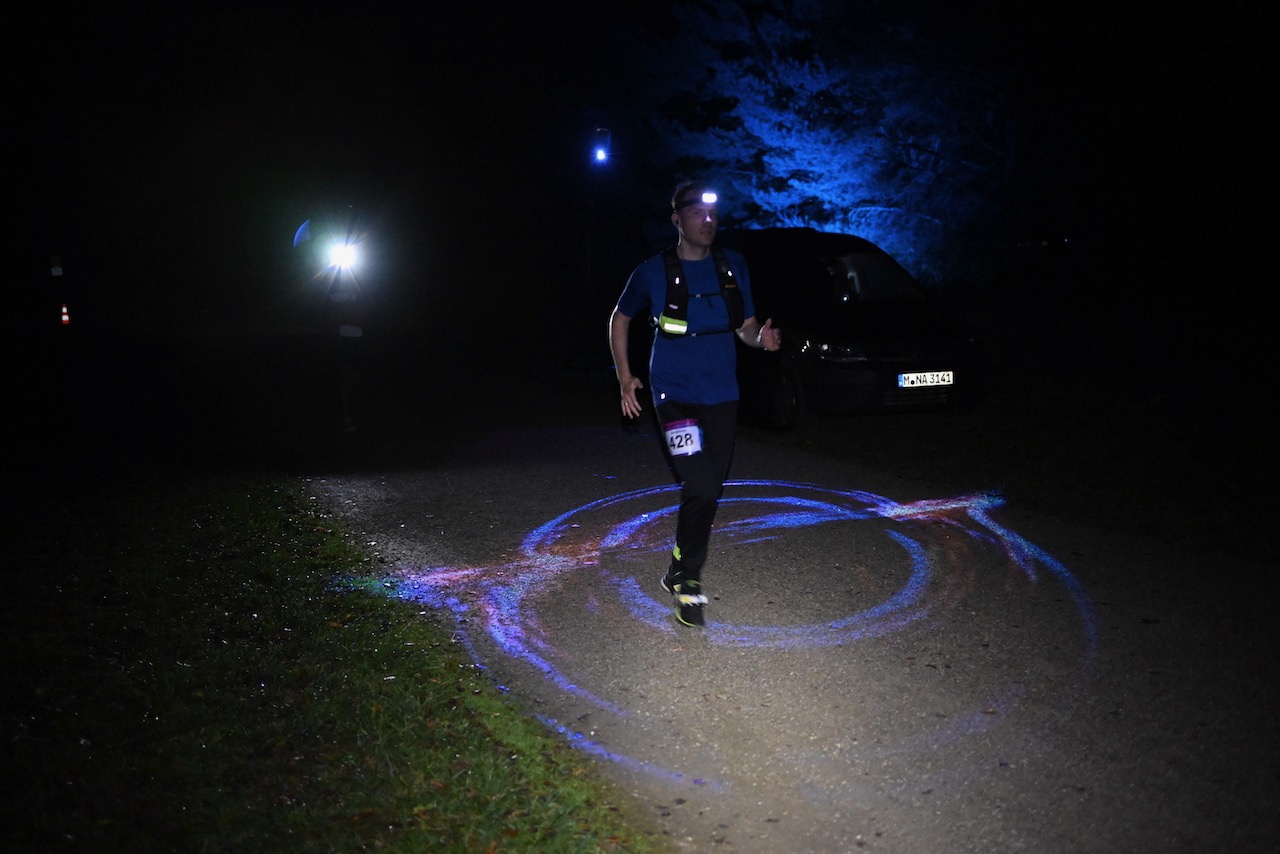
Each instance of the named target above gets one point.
<point>684,438</point>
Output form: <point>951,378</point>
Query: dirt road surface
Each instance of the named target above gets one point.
<point>895,659</point>
<point>889,664</point>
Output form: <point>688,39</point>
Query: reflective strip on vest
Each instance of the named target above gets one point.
<point>671,326</point>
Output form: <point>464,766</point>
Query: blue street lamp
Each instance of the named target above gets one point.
<point>600,141</point>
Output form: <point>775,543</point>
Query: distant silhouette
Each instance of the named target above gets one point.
<point>347,319</point>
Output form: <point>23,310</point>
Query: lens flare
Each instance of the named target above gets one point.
<point>344,256</point>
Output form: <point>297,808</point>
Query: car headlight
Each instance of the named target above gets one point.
<point>839,353</point>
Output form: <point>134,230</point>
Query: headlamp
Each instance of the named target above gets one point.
<point>704,199</point>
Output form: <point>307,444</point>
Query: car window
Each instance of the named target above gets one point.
<point>842,278</point>
<point>869,277</point>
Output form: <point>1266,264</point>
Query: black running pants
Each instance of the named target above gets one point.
<point>701,475</point>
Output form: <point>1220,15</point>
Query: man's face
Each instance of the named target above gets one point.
<point>696,223</point>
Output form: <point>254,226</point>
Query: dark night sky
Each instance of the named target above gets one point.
<point>184,142</point>
<point>197,142</point>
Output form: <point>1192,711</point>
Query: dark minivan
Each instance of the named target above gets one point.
<point>859,333</point>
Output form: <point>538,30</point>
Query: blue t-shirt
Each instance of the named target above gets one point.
<point>692,368</point>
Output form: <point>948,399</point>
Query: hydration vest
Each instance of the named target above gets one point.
<point>673,322</point>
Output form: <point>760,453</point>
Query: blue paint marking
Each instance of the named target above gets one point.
<point>498,600</point>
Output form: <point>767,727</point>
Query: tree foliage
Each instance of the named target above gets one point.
<point>833,116</point>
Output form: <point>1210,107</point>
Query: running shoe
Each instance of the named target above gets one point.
<point>689,599</point>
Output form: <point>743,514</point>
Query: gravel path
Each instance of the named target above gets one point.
<point>889,664</point>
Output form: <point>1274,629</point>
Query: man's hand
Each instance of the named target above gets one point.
<point>630,402</point>
<point>627,382</point>
<point>769,337</point>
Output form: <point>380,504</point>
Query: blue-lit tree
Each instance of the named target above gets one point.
<point>829,115</point>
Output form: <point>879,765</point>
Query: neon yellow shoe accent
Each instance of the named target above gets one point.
<point>688,593</point>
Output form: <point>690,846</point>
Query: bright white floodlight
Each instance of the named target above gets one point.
<point>343,256</point>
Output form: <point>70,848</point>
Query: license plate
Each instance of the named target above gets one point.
<point>925,378</point>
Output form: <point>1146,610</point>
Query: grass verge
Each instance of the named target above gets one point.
<point>186,676</point>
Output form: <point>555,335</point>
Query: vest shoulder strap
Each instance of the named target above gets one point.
<point>673,320</point>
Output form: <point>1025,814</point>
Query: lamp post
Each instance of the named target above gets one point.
<point>601,140</point>
<point>600,144</point>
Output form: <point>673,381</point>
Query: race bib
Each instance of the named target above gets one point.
<point>684,438</point>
